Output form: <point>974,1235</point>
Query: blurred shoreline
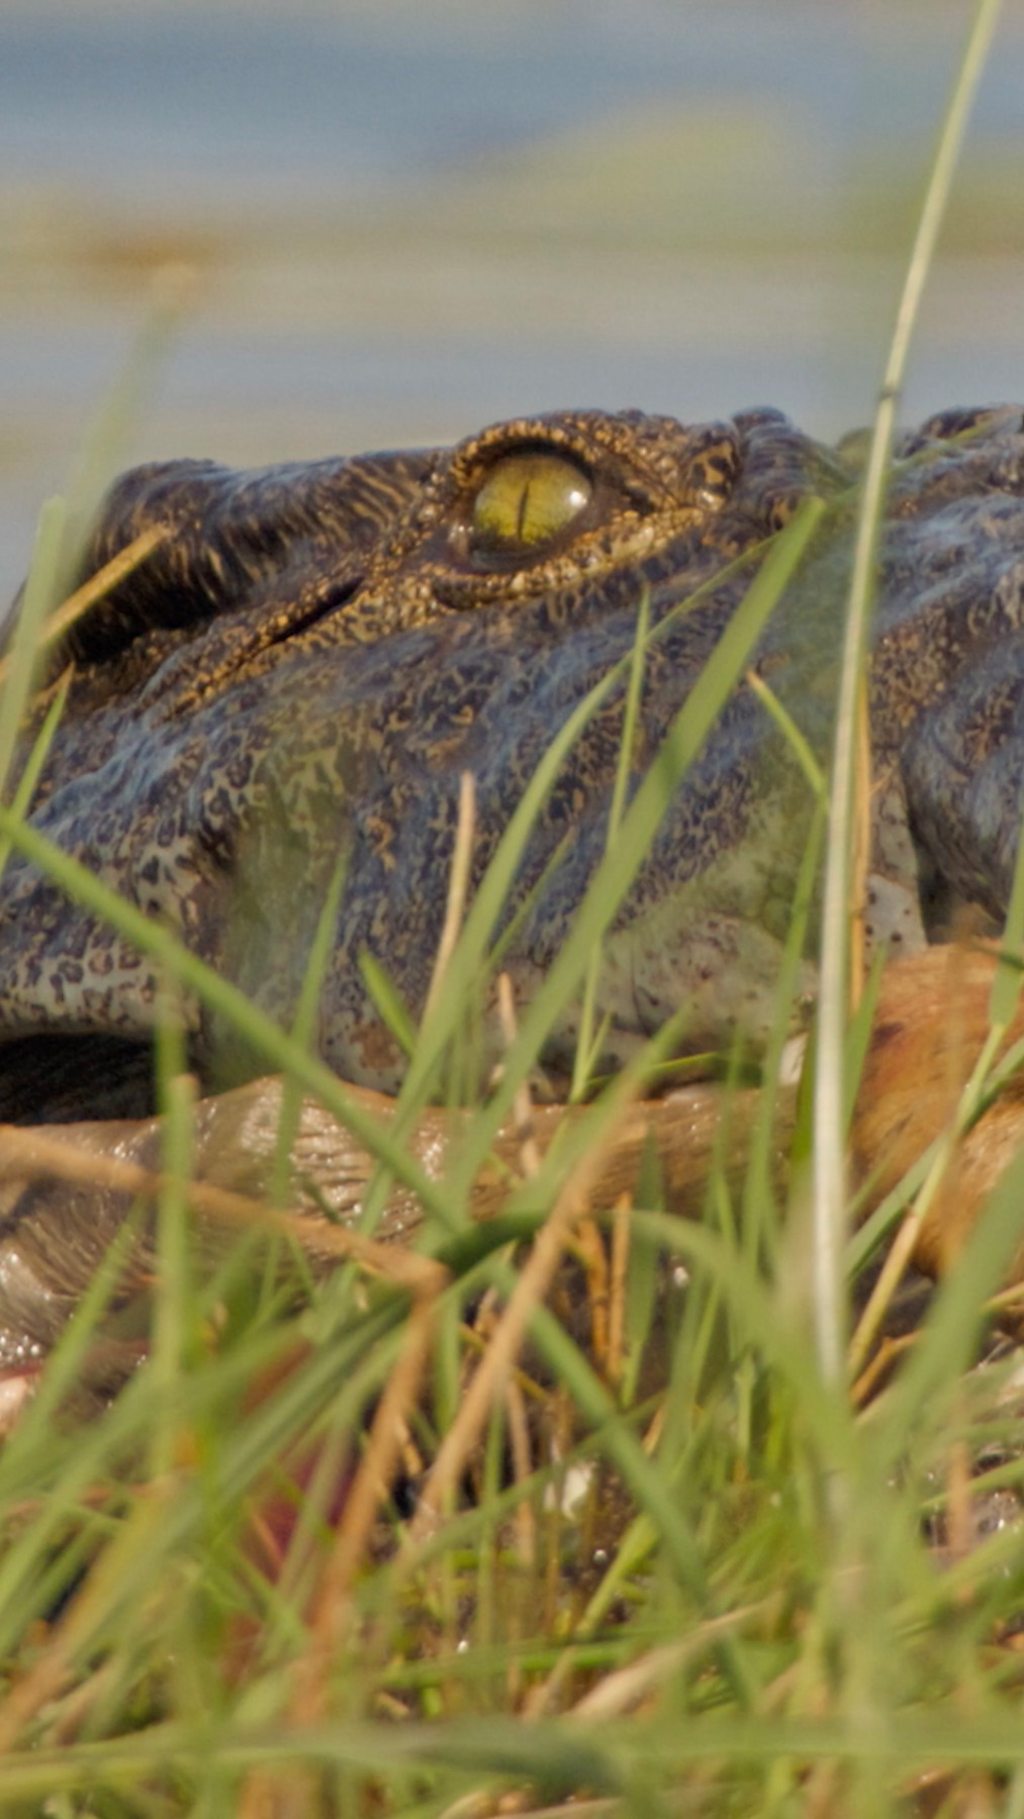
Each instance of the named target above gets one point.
<point>401,222</point>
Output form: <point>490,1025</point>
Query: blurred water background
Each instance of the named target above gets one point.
<point>398,220</point>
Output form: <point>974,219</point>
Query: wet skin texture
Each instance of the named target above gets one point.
<point>308,661</point>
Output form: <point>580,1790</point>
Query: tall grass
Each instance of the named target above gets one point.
<point>415,1533</point>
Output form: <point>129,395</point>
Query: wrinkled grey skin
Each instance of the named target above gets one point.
<point>315,653</point>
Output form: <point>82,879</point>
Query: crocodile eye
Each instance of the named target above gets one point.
<point>526,499</point>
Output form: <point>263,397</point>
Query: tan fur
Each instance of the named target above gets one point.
<point>932,1021</point>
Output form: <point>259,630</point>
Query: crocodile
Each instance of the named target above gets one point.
<point>280,703</point>
<point>296,678</point>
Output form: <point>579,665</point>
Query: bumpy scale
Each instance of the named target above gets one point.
<point>303,668</point>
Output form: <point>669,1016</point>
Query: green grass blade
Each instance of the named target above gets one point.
<point>829,1172</point>
<point>616,871</point>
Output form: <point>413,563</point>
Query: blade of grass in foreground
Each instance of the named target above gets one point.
<point>108,438</point>
<point>40,594</point>
<point>618,867</point>
<point>266,1037</point>
<point>587,1045</point>
<point>472,950</point>
<point>829,1173</point>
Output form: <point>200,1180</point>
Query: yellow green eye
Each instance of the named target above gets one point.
<point>526,499</point>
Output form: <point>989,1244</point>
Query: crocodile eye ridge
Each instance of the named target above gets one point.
<point>525,500</point>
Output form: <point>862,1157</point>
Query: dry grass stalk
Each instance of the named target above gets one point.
<point>71,1633</point>
<point>372,1484</point>
<point>862,786</point>
<point>33,1153</point>
<point>617,1288</point>
<point>534,1281</point>
<point>935,1197</point>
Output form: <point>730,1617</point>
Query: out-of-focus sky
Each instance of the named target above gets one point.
<point>397,221</point>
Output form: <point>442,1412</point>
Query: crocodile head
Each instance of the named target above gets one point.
<point>297,677</point>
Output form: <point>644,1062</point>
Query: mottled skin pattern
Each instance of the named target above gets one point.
<point>307,663</point>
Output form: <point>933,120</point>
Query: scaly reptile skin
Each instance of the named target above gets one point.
<point>313,655</point>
